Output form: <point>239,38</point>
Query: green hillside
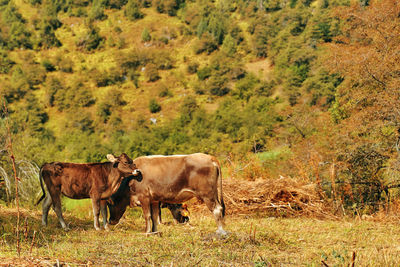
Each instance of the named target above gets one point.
<point>89,73</point>
<point>248,81</point>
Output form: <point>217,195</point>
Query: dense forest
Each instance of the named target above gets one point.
<point>301,88</point>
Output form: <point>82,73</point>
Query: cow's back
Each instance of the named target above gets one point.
<point>173,178</point>
<point>76,180</point>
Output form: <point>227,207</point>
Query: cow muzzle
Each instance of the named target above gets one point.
<point>112,222</point>
<point>137,174</point>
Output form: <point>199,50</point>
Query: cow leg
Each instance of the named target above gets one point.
<point>56,200</point>
<point>146,207</point>
<point>103,209</point>
<point>159,213</point>
<point>96,212</point>
<point>45,209</point>
<point>216,209</point>
<point>155,212</point>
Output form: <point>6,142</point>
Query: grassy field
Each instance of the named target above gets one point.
<point>253,241</point>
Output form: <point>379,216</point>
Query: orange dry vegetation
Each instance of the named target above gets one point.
<point>284,197</point>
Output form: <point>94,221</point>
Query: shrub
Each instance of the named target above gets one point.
<point>146,37</point>
<point>192,67</point>
<point>97,10</point>
<point>116,4</point>
<point>165,92</point>
<point>151,73</point>
<point>132,10</point>
<point>206,44</point>
<point>5,62</point>
<point>204,73</point>
<point>154,106</point>
<point>91,39</point>
<point>48,65</point>
<point>52,86</point>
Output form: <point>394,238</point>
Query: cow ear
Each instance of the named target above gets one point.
<point>111,158</point>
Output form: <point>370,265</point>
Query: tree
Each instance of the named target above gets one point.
<point>367,103</point>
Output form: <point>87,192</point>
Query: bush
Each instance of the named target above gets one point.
<point>132,10</point>
<point>154,106</point>
<point>116,4</point>
<point>106,78</point>
<point>204,73</point>
<point>91,40</point>
<point>151,73</point>
<point>5,62</point>
<point>48,65</point>
<point>165,92</point>
<point>63,63</point>
<point>52,86</point>
<point>192,67</point>
<point>146,37</point>
<point>97,10</point>
<point>206,44</point>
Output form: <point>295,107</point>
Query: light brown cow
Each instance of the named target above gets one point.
<point>175,179</point>
<point>77,181</point>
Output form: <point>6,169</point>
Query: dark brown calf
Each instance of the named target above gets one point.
<point>77,181</point>
<point>175,179</point>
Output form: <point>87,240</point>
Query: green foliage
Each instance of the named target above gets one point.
<point>252,60</point>
<point>192,68</point>
<point>5,62</point>
<point>151,73</point>
<point>91,40</point>
<point>189,106</point>
<point>165,92</point>
<point>63,64</point>
<point>245,87</point>
<point>132,10</point>
<point>154,106</point>
<point>52,86</point>
<point>48,65</point>
<point>229,45</point>
<point>106,78</point>
<point>97,10</point>
<point>117,4</point>
<point>206,44</point>
<point>146,37</point>
<point>204,73</point>
<point>168,6</point>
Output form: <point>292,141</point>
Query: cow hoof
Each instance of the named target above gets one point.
<point>153,233</point>
<point>221,232</point>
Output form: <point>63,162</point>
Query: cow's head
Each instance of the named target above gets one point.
<point>117,209</point>
<point>125,166</point>
<point>180,212</point>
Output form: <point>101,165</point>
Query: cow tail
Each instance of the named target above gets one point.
<point>220,188</point>
<point>41,185</point>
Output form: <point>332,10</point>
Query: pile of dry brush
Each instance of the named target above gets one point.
<point>275,197</point>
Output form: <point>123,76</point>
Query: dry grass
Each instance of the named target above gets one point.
<point>283,196</point>
<point>254,241</point>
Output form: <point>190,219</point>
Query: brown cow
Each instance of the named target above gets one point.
<point>77,181</point>
<point>176,179</point>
